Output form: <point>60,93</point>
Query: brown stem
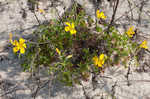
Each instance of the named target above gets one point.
<point>37,18</point>
<point>113,16</point>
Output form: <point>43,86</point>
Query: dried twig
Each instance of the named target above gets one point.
<point>127,76</point>
<point>113,90</point>
<point>11,90</point>
<point>113,16</point>
<point>33,60</point>
<point>137,81</point>
<point>130,8</point>
<point>39,88</point>
<point>85,94</point>
<point>36,18</point>
<point>127,12</point>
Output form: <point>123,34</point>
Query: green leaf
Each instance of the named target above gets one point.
<point>124,53</point>
<point>98,29</point>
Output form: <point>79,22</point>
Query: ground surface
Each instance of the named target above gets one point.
<point>16,17</point>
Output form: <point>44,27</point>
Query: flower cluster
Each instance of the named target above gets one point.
<point>130,31</point>
<point>144,45</point>
<point>18,46</point>
<point>100,15</point>
<point>99,61</point>
<point>70,27</point>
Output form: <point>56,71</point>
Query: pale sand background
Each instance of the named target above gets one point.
<point>11,75</point>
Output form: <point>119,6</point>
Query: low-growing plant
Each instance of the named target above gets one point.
<point>72,49</point>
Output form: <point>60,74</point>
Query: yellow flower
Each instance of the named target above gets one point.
<point>58,51</point>
<point>10,38</point>
<point>95,59</point>
<point>70,27</point>
<point>99,61</point>
<point>69,56</point>
<point>19,46</point>
<point>41,11</point>
<point>100,14</point>
<point>144,44</point>
<point>130,31</point>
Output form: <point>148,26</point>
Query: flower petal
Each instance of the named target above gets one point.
<point>99,64</point>
<point>73,31</point>
<point>41,11</point>
<point>101,57</point>
<point>15,49</point>
<point>24,45</point>
<point>72,25</point>
<point>67,28</point>
<point>22,50</point>
<point>10,38</point>
<point>146,47</point>
<point>102,62</point>
<point>15,43</point>
<point>131,28</point>
<point>129,34</point>
<point>102,15</point>
<point>97,14</point>
<point>67,23</point>
<point>95,59</point>
<point>21,40</point>
<point>58,51</point>
<point>69,56</point>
